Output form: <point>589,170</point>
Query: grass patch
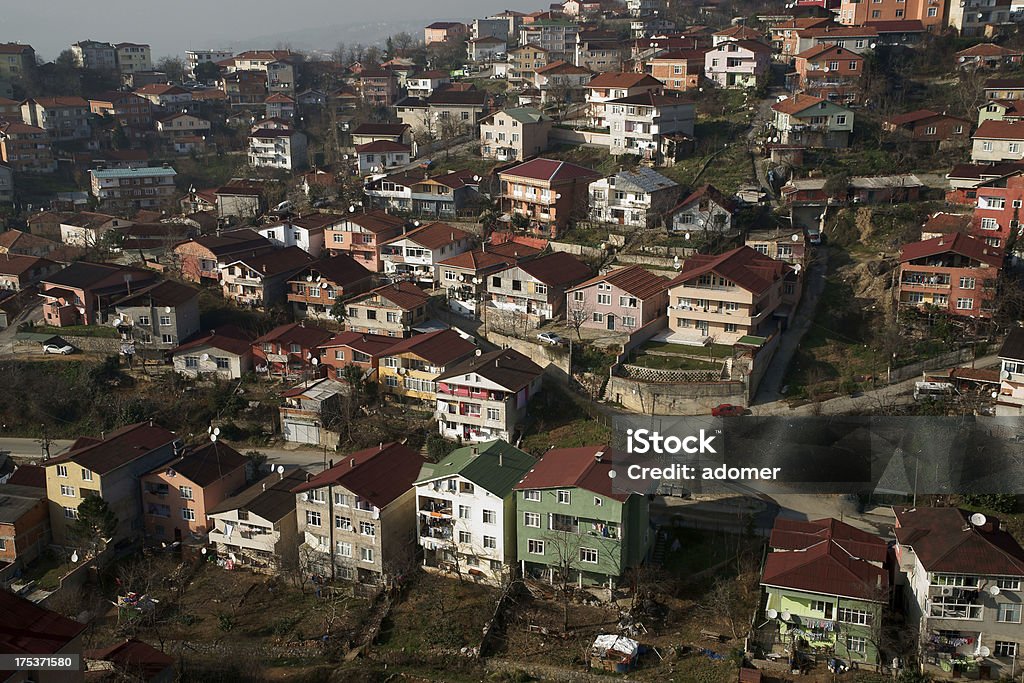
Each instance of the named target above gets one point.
<point>47,571</point>
<point>727,170</point>
<point>438,611</point>
<point>557,419</point>
<point>103,331</point>
<point>713,351</point>
<point>699,550</point>
<point>672,362</point>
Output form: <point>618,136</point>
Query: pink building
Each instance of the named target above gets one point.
<point>624,299</point>
<point>361,235</point>
<point>177,496</point>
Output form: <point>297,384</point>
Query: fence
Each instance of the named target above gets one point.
<point>945,360</point>
<point>658,375</point>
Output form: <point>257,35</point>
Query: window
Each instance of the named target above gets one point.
<point>165,321</point>
<point>312,518</point>
<point>604,299</point>
<point>465,537</point>
<point>854,616</point>
<point>947,607</point>
<point>86,474</point>
<point>628,321</point>
<point>1008,584</point>
<point>535,546</point>
<point>67,491</point>
<point>964,304</point>
<point>367,529</point>
<point>578,296</point>
<point>70,513</point>
<point>343,548</point>
<point>1005,648</point>
<point>563,497</point>
<point>930,130</point>
<point>464,512</point>
<point>490,517</point>
<point>144,319</point>
<point>188,514</point>
<point>343,523</point>
<point>599,317</point>
<point>822,606</point>
<point>1013,148</point>
<point>62,470</point>
<point>222,363</point>
<point>989,224</point>
<point>167,338</point>
<point>841,120</point>
<point>933,11</point>
<point>966,282</point>
<point>856,644</point>
<point>986,145</point>
<point>495,281</point>
<point>588,555</point>
<point>490,542</point>
<point>627,301</point>
<point>531,519</point>
<point>366,554</point>
<point>532,495</point>
<point>191,361</point>
<point>1009,613</point>
<point>185,492</point>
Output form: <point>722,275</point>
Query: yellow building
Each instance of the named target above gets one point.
<point>412,366</point>
<point>109,468</point>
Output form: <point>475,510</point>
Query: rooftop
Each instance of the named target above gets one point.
<point>378,474</point>
<point>155,171</point>
<point>495,466</point>
<point>507,368</point>
<point>271,498</point>
<point>205,464</point>
<point>633,279</point>
<point>586,467</point>
<point>33,630</point>
<point>117,449</point>
<point>746,267</point>
<point>557,268</point>
<point>438,348</point>
<point>945,540</point>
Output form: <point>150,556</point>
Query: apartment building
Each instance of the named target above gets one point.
<point>617,85</point>
<point>16,60</point>
<point>360,235</point>
<point>624,299</point>
<point>514,134</point>
<point>440,196</point>
<point>657,128</point>
<point>277,148</point>
<point>128,109</point>
<point>486,396</point>
<point>561,82</point>
<point>978,17</point>
<point>704,210</point>
<point>64,118</point>
<point>829,72</point>
<point>547,192</point>
<point>524,61</point>
<point>415,254</point>
<point>199,259</point>
<point>412,366</point>
<point>357,519</point>
<point>391,310</point>
<point>24,524</point>
<point>812,122</point>
<point>95,55</point>
<point>84,292</point>
<point>313,291</point>
<point>358,350</point>
<point>955,273</point>
<point>730,296</point>
<point>638,199</point>
<point>261,281</point>
<point>224,353</point>
<point>466,510</point>
<point>679,70</point>
<point>25,148</point>
<point>931,13</point>
<point>534,289</point>
<point>162,315</point>
<point>998,208</point>
<point>737,63</point>
<point>133,57</point>
<point>132,189</point>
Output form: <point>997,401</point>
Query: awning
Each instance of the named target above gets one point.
<point>751,340</point>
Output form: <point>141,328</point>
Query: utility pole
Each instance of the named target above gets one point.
<point>44,443</point>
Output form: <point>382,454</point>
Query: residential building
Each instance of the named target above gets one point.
<point>314,290</point>
<point>996,141</point>
<point>358,350</point>
<point>311,412</point>
<point>465,276</point>
<point>391,310</point>
<point>445,32</point>
<point>18,273</point>
<point>199,258</point>
<point>860,189</point>
<point>497,27</point>
<point>442,196</point>
<point>83,293</point>
<point>133,57</point>
<point>856,39</point>
<point>16,60</point>
<point>165,96</point>
<point>131,659</point>
<point>182,125</point>
<point>24,524</point>
<point>277,148</point>
<point>827,580</point>
<point>449,112</point>
<point>18,243</point>
<point>257,528</point>
<point>244,88</point>
<point>415,254</point>
<point>789,246</point>
<point>132,189</point>
<point>931,13</point>
<point>466,510</point>
<point>617,85</point>
<point>657,128</point>
<point>829,72</point>
<point>535,288</point>
<point>261,281</point>
<point>194,58</point>
<point>240,198</point>
<point>40,632</point>
<point>556,35</point>
<point>561,82</point>
<point>178,495</point>
<point>737,32</point>
<point>812,122</point>
<point>547,192</point>
<point>162,315</point>
<point>25,148</point>
<point>307,232</point>
<point>389,132</point>
<point>737,63</point>
<point>1004,88</point>
<point>638,199</point>
<point>111,468</point>
<point>571,519</point>
<point>989,56</point>
<point>486,396</point>
<point>95,55</point>
<point>485,48</point>
<point>290,351</point>
<point>1010,399</point>
<point>280,106</point>
<point>382,155</point>
<point>955,274</point>
<point>679,70</point>
<point>978,17</point>
<point>89,228</point>
<point>378,87</point>
<point>357,519</point>
<point>360,235</point>
<point>412,366</point>
<point>524,61</point>
<point>6,184</point>
<point>128,109</point>
<point>785,35</point>
<point>925,125</point>
<point>626,299</point>
<point>997,213</point>
<point>225,354</point>
<point>599,51</point>
<point>726,297</point>
<point>514,134</point>
<point>706,209</point>
<point>281,79</point>
<point>425,83</point>
<point>961,576</point>
<point>1001,110</point>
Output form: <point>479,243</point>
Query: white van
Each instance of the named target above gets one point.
<point>931,391</point>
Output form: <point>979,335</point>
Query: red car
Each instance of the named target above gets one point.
<point>728,410</point>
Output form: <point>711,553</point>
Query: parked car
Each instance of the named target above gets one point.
<point>552,338</point>
<point>728,410</point>
<point>59,349</point>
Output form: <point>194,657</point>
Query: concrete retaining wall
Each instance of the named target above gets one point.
<point>674,399</point>
<point>580,137</point>
<point>555,359</point>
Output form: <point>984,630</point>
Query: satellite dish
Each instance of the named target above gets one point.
<point>873,45</point>
<point>978,519</point>
<point>993,589</point>
<point>304,496</point>
<point>476,179</point>
<point>205,357</point>
<point>995,394</point>
<point>213,438</point>
<point>416,224</point>
<point>772,614</point>
<point>280,469</point>
<point>203,551</point>
<point>401,371</point>
<point>826,69</point>
<point>984,651</point>
<point>796,268</point>
<point>795,237</point>
<point>309,278</point>
<point>352,209</point>
<point>786,616</point>
<point>1004,375</point>
<point>558,195</point>
<point>478,352</point>
<point>319,278</point>
<point>686,236</point>
<point>963,59</point>
<point>314,361</point>
<point>216,431</point>
<point>74,556</point>
<point>167,309</point>
<point>118,322</point>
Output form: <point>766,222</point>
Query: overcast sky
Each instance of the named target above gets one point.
<point>51,25</point>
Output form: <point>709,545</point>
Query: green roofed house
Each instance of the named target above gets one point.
<point>573,525</point>
<point>466,510</point>
<point>514,134</point>
<point>826,587</point>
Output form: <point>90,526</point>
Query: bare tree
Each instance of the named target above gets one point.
<point>565,546</point>
<point>577,314</point>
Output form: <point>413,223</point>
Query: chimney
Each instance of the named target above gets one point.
<point>351,462</point>
<point>264,486</point>
<point>501,458</point>
<point>598,456</point>
<point>330,463</point>
<point>308,476</point>
<point>474,451</point>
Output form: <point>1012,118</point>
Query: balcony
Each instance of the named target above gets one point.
<point>435,507</point>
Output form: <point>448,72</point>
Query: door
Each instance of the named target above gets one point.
<point>611,321</point>
<point>177,534</point>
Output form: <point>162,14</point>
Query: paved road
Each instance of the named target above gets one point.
<point>31,313</point>
<point>31,448</point>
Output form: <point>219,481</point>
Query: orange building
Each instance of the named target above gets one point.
<point>931,13</point>
<point>679,70</point>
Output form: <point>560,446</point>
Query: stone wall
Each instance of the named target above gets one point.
<point>555,359</point>
<point>694,398</point>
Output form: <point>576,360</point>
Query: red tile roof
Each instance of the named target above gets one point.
<point>906,26</point>
<point>551,170</point>
<point>376,221</point>
<point>440,347</point>
<point>29,475</point>
<point>1000,130</point>
<point>944,540</point>
<point>405,295</point>
<point>227,338</point>
<point>959,243</point>
<point>306,336</point>
<point>382,146</point>
<point>987,50</point>
<point>633,279</point>
<point>118,448</point>
<point>557,268</point>
<point>796,104</point>
<point>341,270</point>
<point>477,260</point>
<point>947,223</point>
<point>279,98</point>
<point>791,534</point>
<point>370,344</point>
<point>134,658</point>
<point>578,467</point>
<point>276,261</point>
<point>561,67</point>
<point>919,115</point>
<point>379,474</point>
<point>712,193</point>
<point>748,268</point>
<point>381,129</point>
<point>624,79</point>
<point>60,102</point>
<point>826,569</point>
<point>33,630</point>
<point>825,48</point>
<point>432,235</point>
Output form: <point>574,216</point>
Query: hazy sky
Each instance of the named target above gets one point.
<point>51,25</point>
